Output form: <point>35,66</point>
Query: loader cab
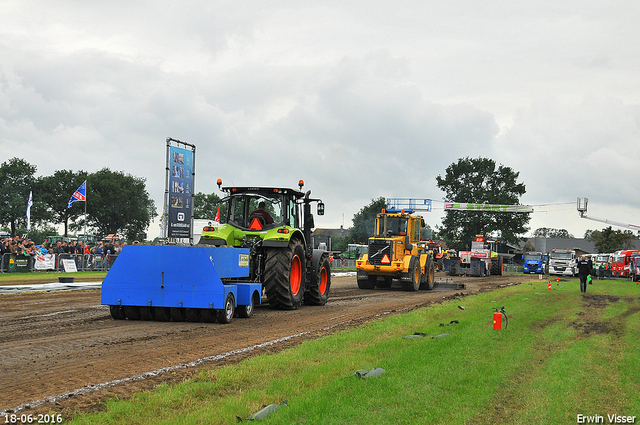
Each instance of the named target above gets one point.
<point>397,224</point>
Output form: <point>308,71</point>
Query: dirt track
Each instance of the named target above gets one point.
<point>58,348</point>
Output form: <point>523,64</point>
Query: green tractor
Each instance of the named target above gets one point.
<point>275,224</point>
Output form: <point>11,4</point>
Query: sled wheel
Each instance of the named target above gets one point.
<point>162,314</point>
<point>225,315</point>
<point>246,311</point>
<point>208,315</point>
<point>117,312</point>
<point>177,314</point>
<point>147,313</point>
<point>132,312</point>
<point>192,314</point>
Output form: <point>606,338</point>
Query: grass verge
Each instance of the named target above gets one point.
<point>563,354</point>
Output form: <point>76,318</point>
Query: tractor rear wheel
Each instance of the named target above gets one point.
<point>284,276</point>
<point>318,292</point>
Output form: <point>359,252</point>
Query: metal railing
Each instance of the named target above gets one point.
<point>54,262</point>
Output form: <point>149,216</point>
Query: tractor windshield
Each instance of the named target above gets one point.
<point>254,210</point>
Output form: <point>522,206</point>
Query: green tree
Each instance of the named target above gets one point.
<point>205,206</point>
<point>545,232</point>
<point>478,180</point>
<point>17,179</point>
<point>364,221</point>
<point>118,203</point>
<point>609,240</point>
<point>57,190</point>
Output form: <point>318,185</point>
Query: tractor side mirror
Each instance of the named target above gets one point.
<point>320,208</point>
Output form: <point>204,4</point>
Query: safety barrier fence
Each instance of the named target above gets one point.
<point>55,262</point>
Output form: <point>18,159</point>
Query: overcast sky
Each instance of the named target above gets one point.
<point>361,99</point>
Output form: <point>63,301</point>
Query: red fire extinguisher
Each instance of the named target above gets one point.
<point>497,318</point>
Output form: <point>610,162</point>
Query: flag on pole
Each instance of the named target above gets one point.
<point>79,195</point>
<point>218,215</point>
<point>29,203</point>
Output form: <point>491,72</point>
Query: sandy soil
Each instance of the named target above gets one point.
<point>61,351</point>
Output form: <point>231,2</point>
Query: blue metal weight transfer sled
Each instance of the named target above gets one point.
<point>192,283</point>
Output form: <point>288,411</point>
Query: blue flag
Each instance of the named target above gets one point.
<point>79,195</point>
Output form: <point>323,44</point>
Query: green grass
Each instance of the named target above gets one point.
<point>46,277</point>
<point>562,355</point>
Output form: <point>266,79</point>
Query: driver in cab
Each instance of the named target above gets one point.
<point>261,212</point>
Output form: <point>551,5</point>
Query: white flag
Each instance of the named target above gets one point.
<point>29,203</point>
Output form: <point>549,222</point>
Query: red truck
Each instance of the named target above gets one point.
<point>621,262</point>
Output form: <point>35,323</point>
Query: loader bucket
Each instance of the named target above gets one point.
<point>179,276</point>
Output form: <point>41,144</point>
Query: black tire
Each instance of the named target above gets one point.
<point>177,314</point>
<point>430,275</point>
<point>192,314</point>
<point>385,283</point>
<point>368,283</point>
<point>163,314</point>
<point>245,311</point>
<point>208,315</point>
<point>117,312</point>
<point>225,315</point>
<point>454,266</point>
<point>496,266</point>
<point>147,313</point>
<point>284,276</point>
<point>414,274</point>
<point>132,312</point>
<point>320,284</point>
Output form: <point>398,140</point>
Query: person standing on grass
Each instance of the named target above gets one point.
<point>584,269</point>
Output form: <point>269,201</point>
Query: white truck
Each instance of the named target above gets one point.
<point>563,262</point>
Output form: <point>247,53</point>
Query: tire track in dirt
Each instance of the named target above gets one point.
<point>58,343</point>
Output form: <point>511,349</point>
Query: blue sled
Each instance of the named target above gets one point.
<point>180,283</point>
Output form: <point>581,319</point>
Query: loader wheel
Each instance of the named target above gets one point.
<point>428,280</point>
<point>414,270</point>
<point>284,276</point>
<point>226,314</point>
<point>368,283</point>
<point>163,314</point>
<point>318,292</point>
<point>208,315</point>
<point>245,311</point>
<point>117,312</point>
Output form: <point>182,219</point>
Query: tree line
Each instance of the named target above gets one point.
<point>116,202</point>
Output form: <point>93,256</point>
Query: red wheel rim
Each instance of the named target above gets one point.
<point>323,280</point>
<point>296,275</point>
